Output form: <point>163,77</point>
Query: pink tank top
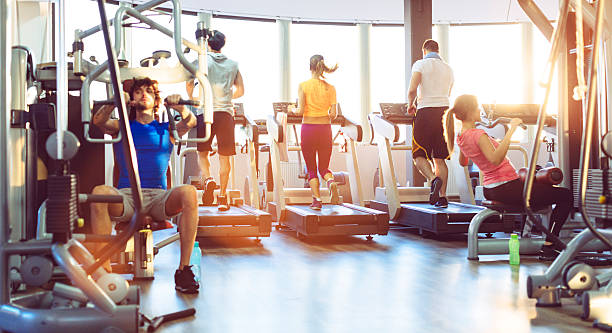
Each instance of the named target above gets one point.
<point>492,174</point>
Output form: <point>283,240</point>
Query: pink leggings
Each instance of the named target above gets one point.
<point>316,141</point>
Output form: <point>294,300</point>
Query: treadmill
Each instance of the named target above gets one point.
<point>409,206</point>
<point>240,220</point>
<point>291,206</point>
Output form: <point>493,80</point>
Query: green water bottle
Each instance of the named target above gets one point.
<point>514,246</point>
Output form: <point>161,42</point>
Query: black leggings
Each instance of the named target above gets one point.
<point>541,195</point>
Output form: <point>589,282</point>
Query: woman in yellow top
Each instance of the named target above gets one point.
<point>317,103</point>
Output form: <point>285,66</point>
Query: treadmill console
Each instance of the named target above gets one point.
<point>526,112</point>
<point>396,113</point>
<point>293,118</point>
<point>239,117</point>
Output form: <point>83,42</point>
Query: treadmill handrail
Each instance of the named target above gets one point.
<point>275,130</point>
<point>352,130</point>
<point>383,127</point>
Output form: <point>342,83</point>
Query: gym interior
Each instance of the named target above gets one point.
<point>222,223</point>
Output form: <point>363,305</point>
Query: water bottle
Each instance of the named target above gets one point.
<point>513,246</point>
<point>195,261</point>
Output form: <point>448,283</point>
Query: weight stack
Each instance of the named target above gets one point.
<point>61,206</point>
<point>596,179</point>
<point>594,182</point>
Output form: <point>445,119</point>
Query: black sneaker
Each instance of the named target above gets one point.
<point>208,197</point>
<point>548,253</point>
<point>185,282</point>
<point>434,193</point>
<point>222,203</point>
<point>442,203</point>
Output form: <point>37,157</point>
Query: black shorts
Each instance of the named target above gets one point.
<point>223,129</point>
<point>428,134</point>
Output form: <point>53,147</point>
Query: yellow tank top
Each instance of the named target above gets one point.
<point>319,96</point>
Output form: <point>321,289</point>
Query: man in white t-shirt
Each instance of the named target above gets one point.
<point>428,96</point>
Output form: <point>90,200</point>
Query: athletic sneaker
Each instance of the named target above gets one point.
<point>222,203</point>
<point>333,190</point>
<point>316,204</point>
<point>209,185</point>
<point>548,253</point>
<point>442,203</point>
<point>185,282</point>
<point>434,193</point>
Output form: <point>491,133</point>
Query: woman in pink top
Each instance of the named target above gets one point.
<point>500,180</point>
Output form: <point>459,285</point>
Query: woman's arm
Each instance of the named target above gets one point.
<point>333,111</point>
<point>301,100</point>
<point>497,155</point>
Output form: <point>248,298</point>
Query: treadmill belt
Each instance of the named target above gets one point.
<point>329,210</point>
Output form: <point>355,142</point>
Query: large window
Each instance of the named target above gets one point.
<point>338,45</point>
<point>94,44</point>
<point>254,45</point>
<point>388,82</point>
<point>486,61</point>
<point>541,52</point>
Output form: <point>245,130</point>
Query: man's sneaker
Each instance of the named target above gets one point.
<point>548,253</point>
<point>222,203</point>
<point>316,204</point>
<point>434,193</point>
<point>333,190</point>
<point>185,282</point>
<point>442,203</point>
<point>208,197</point>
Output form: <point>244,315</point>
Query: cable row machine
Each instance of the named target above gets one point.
<point>290,206</point>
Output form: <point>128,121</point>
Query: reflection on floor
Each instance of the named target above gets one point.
<point>396,283</point>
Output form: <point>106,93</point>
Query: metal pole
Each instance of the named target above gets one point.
<point>61,122</point>
<point>284,29</point>
<point>5,93</point>
<point>364,65</point>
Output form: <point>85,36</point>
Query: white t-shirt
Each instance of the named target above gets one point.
<point>436,82</point>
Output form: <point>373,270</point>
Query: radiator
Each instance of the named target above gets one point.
<point>290,172</point>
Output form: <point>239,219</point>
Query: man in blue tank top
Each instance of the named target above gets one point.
<point>153,145</point>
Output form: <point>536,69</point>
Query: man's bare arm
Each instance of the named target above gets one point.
<point>103,121</point>
<point>188,118</point>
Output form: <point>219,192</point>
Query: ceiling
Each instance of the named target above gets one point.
<point>380,11</point>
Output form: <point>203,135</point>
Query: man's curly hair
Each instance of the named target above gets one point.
<point>131,85</point>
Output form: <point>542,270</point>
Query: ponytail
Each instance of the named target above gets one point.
<point>317,65</point>
<point>449,129</point>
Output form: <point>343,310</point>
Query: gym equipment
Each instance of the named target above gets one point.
<point>409,206</point>
<point>240,220</point>
<point>564,277</point>
<point>97,301</point>
<point>290,206</point>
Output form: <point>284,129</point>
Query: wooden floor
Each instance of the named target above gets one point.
<point>396,283</point>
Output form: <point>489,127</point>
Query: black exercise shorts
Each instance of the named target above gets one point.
<point>223,129</point>
<point>428,134</point>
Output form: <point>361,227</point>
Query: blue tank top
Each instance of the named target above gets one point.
<point>153,149</point>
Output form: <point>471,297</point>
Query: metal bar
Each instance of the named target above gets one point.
<point>5,99</point>
<point>556,44</point>
<point>587,135</point>
<point>128,149</point>
<point>140,8</point>
<point>61,72</point>
<point>76,274</point>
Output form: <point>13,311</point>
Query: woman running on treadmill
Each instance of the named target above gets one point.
<point>500,179</point>
<point>317,103</point>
